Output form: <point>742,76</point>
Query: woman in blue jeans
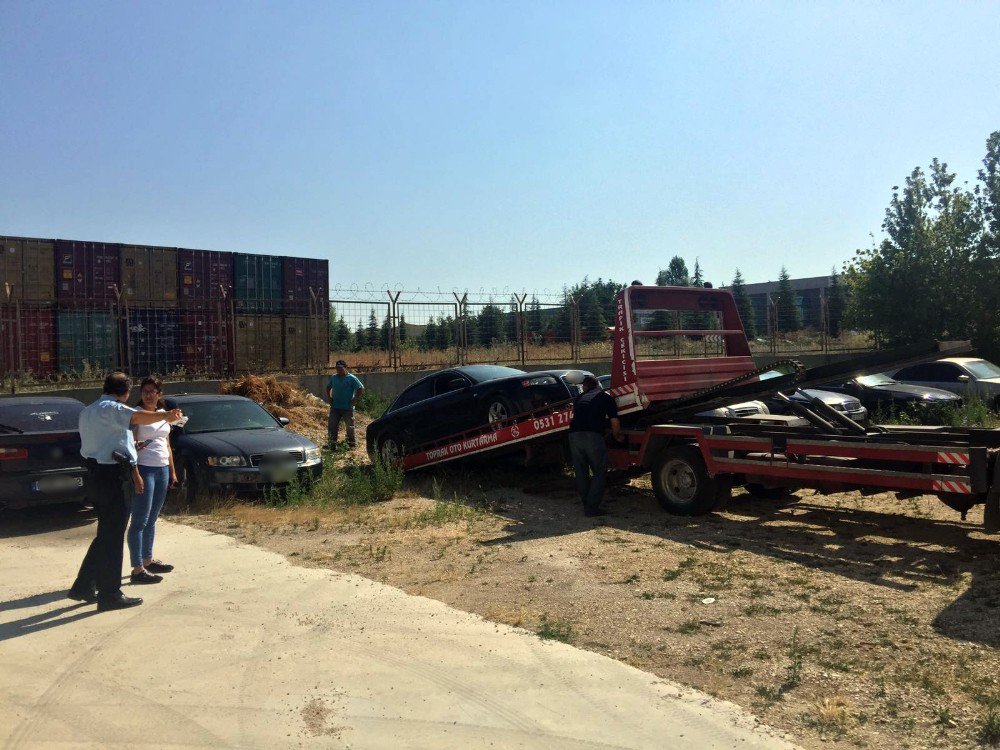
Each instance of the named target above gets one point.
<point>156,474</point>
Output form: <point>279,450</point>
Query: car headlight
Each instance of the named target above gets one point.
<point>226,461</point>
<point>313,454</point>
<point>541,380</point>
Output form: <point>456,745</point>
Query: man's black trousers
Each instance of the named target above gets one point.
<point>110,492</point>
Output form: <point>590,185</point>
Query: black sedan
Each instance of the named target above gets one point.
<point>462,399</point>
<point>231,443</point>
<point>882,394</point>
<point>40,452</point>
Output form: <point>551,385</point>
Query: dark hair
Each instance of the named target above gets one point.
<point>156,383</point>
<point>590,382</point>
<point>117,384</point>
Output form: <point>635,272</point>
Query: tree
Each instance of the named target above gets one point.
<point>836,302</point>
<point>592,324</point>
<point>429,340</point>
<point>675,274</point>
<point>743,305</point>
<point>445,333</point>
<point>384,332</point>
<point>402,329</point>
<point>360,337</point>
<point>697,279</point>
<point>372,332</point>
<point>789,315</point>
<point>490,325</point>
<point>340,335</point>
<point>534,319</point>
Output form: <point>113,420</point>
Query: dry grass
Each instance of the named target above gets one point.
<point>306,414</point>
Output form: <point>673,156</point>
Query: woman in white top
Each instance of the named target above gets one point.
<point>156,474</point>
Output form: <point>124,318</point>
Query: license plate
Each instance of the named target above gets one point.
<point>280,473</point>
<point>57,484</point>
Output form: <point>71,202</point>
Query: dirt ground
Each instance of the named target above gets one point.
<point>863,621</point>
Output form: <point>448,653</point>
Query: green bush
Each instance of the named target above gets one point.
<point>373,404</point>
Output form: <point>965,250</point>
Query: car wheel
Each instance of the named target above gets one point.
<point>187,482</point>
<point>389,449</point>
<point>498,411</point>
<point>682,484</point>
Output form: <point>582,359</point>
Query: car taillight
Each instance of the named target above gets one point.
<point>13,454</point>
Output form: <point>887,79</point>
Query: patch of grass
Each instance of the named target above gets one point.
<point>634,578</point>
<point>372,403</point>
<point>945,718</point>
<point>554,630</point>
<point>760,610</point>
<point>442,513</point>
<point>672,574</point>
<point>741,672</point>
<point>989,728</point>
<point>830,717</point>
<point>688,627</point>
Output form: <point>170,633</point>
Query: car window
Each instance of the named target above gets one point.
<point>226,414</point>
<point>45,416</point>
<point>983,369</point>
<point>449,381</point>
<point>930,372</point>
<point>483,373</point>
<point>417,392</point>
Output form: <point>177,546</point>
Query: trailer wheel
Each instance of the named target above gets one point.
<point>683,486</point>
<point>761,492</point>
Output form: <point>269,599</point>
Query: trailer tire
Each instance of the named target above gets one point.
<point>682,484</point>
<point>761,492</point>
<point>960,502</point>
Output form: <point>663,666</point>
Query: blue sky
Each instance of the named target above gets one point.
<point>474,145</point>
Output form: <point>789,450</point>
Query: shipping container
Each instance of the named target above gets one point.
<point>306,342</point>
<point>28,266</point>
<point>87,341</point>
<point>258,340</point>
<point>306,282</point>
<point>149,276</point>
<point>152,341</point>
<point>257,283</point>
<point>87,271</point>
<point>203,275</point>
<point>205,341</point>
<point>36,340</point>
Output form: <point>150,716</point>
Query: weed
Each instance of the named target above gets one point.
<point>688,627</point>
<point>379,554</point>
<point>554,631</point>
<point>830,716</point>
<point>945,718</point>
<point>634,578</point>
<point>989,729</point>
<point>741,672</point>
<point>758,610</point>
<point>761,654</point>
<point>372,403</point>
<point>672,574</point>
<point>768,693</point>
<point>796,655</point>
<point>442,513</point>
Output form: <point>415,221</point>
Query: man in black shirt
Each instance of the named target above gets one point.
<point>593,410</point>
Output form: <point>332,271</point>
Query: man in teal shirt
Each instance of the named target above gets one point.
<point>343,391</point>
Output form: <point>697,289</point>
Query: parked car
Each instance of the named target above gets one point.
<point>965,376</point>
<point>462,399</point>
<point>744,409</point>
<point>848,405</point>
<point>232,443</point>
<point>880,393</point>
<point>40,459</point>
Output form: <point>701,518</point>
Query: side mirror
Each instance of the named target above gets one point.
<point>283,421</point>
<point>963,378</point>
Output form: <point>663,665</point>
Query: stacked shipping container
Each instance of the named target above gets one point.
<point>83,308</point>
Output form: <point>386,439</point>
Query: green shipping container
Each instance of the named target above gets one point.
<point>87,341</point>
<point>149,276</point>
<point>307,343</point>
<point>258,343</point>
<point>258,283</point>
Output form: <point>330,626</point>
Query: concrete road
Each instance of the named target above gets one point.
<point>240,648</point>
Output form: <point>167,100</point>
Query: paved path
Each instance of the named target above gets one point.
<point>239,648</point>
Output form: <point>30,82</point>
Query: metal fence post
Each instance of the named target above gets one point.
<point>395,356</point>
<point>772,324</point>
<point>522,328</point>
<point>824,323</point>
<point>574,329</point>
<point>461,330</point>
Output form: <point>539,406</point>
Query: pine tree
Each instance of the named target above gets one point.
<point>697,279</point>
<point>445,337</point>
<point>744,306</point>
<point>372,332</point>
<point>402,329</point>
<point>384,332</point>
<point>592,323</point>
<point>534,320</point>
<point>360,338</point>
<point>789,315</point>
<point>491,325</point>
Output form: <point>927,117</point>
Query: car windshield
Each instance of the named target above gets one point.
<point>482,373</point>
<point>40,416</point>
<point>873,380</point>
<point>983,369</point>
<point>224,415</point>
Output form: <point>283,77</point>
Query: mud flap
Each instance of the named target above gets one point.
<point>991,514</point>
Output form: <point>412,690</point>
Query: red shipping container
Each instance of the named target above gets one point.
<point>301,275</point>
<point>27,340</point>
<point>87,271</point>
<point>205,342</point>
<point>202,276</point>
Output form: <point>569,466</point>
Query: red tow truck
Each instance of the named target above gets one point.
<point>678,352</point>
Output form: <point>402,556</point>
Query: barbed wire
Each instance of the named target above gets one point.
<point>373,293</point>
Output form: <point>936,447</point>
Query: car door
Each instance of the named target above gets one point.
<point>453,403</point>
<point>945,375</point>
<point>410,419</point>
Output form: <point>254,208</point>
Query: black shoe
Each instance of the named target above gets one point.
<point>88,595</point>
<point>144,577</point>
<point>158,567</point>
<point>121,602</point>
